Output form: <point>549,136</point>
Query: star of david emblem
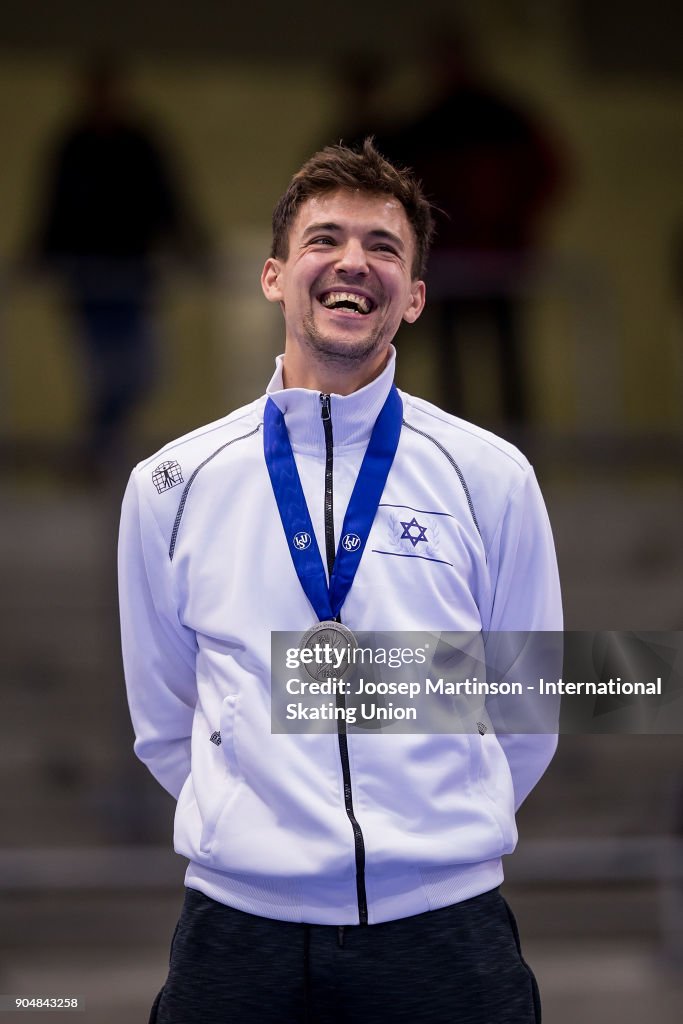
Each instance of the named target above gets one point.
<point>413,532</point>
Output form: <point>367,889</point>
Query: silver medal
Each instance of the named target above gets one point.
<point>333,645</point>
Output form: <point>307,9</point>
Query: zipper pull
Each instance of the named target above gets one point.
<point>326,411</point>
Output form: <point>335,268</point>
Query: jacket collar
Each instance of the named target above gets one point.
<point>353,416</point>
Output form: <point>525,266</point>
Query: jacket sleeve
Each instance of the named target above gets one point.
<point>526,602</point>
<point>158,651</point>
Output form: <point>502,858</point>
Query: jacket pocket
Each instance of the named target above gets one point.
<point>229,717</point>
<point>227,776</point>
<point>495,784</point>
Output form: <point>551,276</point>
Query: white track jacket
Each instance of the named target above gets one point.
<point>206,574</point>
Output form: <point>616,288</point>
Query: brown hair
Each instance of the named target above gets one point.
<point>365,170</point>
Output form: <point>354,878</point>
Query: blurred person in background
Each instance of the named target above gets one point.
<point>337,875</point>
<point>360,83</point>
<point>494,172</point>
<point>112,207</point>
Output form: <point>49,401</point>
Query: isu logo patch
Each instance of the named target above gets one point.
<point>350,542</point>
<point>167,475</point>
<point>301,540</point>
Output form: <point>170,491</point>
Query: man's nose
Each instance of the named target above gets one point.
<point>352,258</point>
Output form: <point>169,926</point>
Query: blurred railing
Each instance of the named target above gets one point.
<point>240,332</point>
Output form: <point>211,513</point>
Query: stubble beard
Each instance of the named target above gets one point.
<point>342,352</point>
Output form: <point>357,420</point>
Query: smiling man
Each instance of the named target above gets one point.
<point>346,875</point>
<point>346,273</point>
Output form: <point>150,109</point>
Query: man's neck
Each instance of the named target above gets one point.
<point>327,378</point>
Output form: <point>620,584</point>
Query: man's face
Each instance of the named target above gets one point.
<point>346,283</point>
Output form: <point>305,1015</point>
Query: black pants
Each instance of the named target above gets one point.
<point>458,965</point>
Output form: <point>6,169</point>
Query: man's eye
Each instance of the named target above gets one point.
<point>383,247</point>
<point>322,240</point>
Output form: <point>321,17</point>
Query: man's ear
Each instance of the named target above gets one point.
<point>417,302</point>
<point>270,279</point>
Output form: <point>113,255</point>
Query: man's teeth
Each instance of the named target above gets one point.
<point>358,302</point>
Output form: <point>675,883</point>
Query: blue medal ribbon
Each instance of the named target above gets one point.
<point>360,514</point>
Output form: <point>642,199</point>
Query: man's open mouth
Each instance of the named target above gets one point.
<point>348,300</point>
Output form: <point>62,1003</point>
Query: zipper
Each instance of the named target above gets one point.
<point>330,551</point>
